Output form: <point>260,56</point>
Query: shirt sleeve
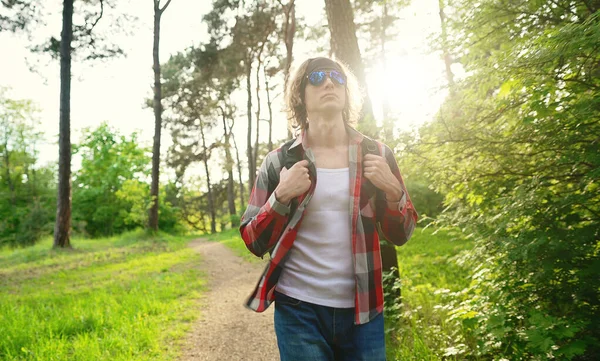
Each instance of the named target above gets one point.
<point>398,224</point>
<point>265,217</point>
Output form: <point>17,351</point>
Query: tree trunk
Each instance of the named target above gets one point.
<point>257,110</point>
<point>344,45</point>
<point>388,124</point>
<point>9,182</point>
<point>211,201</point>
<point>249,154</point>
<point>289,34</point>
<point>229,161</point>
<point>239,168</point>
<point>447,57</point>
<point>153,213</point>
<point>269,105</point>
<point>62,227</point>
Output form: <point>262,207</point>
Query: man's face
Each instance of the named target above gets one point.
<point>324,94</point>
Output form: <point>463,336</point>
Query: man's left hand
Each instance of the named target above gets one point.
<point>376,169</point>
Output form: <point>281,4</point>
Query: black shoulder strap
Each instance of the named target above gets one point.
<point>370,146</point>
<point>289,158</point>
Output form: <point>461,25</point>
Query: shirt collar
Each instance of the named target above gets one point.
<point>355,137</point>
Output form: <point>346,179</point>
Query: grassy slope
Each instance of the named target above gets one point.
<point>129,297</point>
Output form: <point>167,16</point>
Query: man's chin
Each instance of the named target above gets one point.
<point>331,108</point>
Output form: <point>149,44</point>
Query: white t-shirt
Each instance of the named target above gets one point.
<point>320,267</point>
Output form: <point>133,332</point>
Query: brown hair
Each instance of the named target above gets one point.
<point>294,98</point>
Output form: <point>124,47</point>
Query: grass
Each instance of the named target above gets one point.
<point>130,297</point>
<point>232,239</point>
<point>418,328</point>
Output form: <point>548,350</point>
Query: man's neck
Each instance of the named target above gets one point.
<point>327,133</point>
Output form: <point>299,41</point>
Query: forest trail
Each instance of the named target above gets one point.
<point>226,329</point>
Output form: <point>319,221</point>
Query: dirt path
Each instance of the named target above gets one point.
<point>226,330</point>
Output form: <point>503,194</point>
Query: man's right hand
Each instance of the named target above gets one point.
<point>293,182</point>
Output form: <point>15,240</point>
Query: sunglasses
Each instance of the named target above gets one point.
<point>317,78</point>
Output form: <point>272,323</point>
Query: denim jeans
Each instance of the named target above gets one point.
<point>309,332</point>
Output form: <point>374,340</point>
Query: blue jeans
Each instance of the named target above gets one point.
<point>309,332</point>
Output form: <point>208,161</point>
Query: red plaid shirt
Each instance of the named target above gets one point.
<point>268,226</point>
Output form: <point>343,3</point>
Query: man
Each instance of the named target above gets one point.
<point>325,269</point>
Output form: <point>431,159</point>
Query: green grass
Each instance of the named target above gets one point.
<point>130,297</point>
<point>418,329</point>
<point>232,239</point>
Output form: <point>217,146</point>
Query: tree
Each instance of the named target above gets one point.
<point>227,133</point>
<point>253,28</point>
<point>74,39</point>
<point>26,189</point>
<point>153,215</point>
<point>344,45</point>
<point>375,25</point>
<point>62,227</point>
<point>515,150</point>
<point>288,34</point>
<point>445,51</point>
<point>113,169</point>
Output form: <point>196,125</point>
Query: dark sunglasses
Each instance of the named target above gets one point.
<point>317,78</point>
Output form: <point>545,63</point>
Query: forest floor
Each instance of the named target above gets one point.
<point>226,329</point>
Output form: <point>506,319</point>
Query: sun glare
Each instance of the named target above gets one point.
<point>412,87</point>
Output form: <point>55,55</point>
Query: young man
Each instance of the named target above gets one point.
<point>319,220</point>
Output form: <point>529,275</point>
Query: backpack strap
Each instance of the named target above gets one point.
<point>369,146</point>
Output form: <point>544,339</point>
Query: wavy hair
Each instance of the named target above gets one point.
<point>294,98</point>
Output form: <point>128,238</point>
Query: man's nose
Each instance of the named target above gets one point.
<point>328,82</point>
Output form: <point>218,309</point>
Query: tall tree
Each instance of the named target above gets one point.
<point>228,166</point>
<point>209,186</point>
<point>344,45</point>
<point>253,25</point>
<point>288,34</point>
<point>376,22</point>
<point>62,227</point>
<point>445,47</point>
<point>153,212</point>
<point>74,39</point>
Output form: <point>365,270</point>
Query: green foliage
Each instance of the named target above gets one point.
<point>515,151</point>
<point>422,326</point>
<point>124,298</point>
<point>110,191</point>
<point>27,191</point>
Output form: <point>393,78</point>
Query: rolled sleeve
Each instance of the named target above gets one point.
<point>400,209</point>
<point>277,206</point>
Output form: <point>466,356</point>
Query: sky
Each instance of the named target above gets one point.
<point>115,90</point>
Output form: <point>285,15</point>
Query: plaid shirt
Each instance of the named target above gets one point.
<point>269,226</point>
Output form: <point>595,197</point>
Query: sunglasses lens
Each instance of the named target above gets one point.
<point>316,77</point>
<point>337,77</point>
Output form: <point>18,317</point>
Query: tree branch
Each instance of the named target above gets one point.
<point>99,17</point>
<point>165,7</point>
